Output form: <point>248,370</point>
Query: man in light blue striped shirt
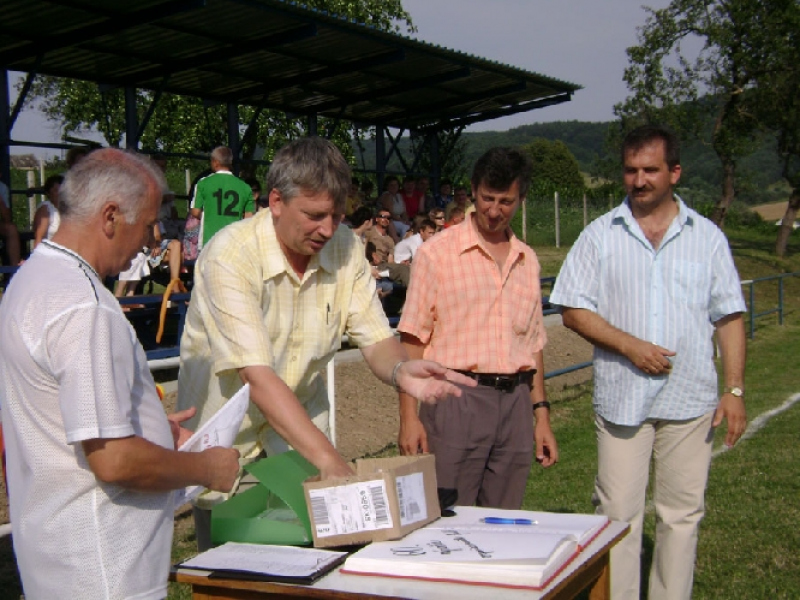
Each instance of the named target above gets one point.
<point>648,284</point>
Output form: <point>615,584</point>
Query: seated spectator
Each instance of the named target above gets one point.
<point>130,278</point>
<point>259,202</point>
<point>460,200</point>
<point>405,249</point>
<point>383,284</point>
<point>392,201</point>
<point>47,218</point>
<point>8,231</point>
<point>166,249</point>
<point>445,195</point>
<point>424,188</point>
<point>360,222</point>
<point>412,198</point>
<point>437,216</point>
<point>367,189</point>
<point>384,249</point>
<point>456,216</point>
<point>354,199</point>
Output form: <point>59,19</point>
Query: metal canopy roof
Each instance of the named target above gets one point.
<point>267,53</point>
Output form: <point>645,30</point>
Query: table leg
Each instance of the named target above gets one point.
<point>601,588</point>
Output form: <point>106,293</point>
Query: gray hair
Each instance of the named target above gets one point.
<point>110,174</point>
<point>313,164</point>
<point>223,155</point>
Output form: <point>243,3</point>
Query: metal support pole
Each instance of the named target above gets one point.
<point>436,168</point>
<point>380,157</point>
<point>558,222</point>
<point>5,131</point>
<point>233,135</point>
<point>312,125</point>
<point>131,119</point>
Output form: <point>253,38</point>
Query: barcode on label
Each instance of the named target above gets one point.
<point>399,487</point>
<point>320,511</point>
<point>379,504</point>
<point>413,509</point>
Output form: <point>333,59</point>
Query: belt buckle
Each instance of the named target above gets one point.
<point>504,385</point>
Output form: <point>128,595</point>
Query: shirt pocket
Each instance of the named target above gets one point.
<point>690,282</point>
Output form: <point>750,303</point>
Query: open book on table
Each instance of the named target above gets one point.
<point>465,549</point>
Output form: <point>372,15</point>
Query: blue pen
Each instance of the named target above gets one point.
<point>506,521</point>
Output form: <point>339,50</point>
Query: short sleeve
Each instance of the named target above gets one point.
<point>577,284</point>
<point>93,362</point>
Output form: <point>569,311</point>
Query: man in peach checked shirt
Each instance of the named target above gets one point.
<point>474,305</point>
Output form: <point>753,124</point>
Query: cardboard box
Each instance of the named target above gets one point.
<point>386,499</point>
<point>271,512</point>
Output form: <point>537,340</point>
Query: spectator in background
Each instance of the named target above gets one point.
<point>424,189</point>
<point>406,248</point>
<point>460,200</point>
<point>650,284</point>
<point>9,231</point>
<point>392,200</point>
<point>255,187</point>
<point>92,463</point>
<point>360,222</point>
<point>445,195</point>
<point>438,217</point>
<point>474,304</point>
<point>412,197</point>
<point>367,189</point>
<point>354,199</point>
<point>457,216</point>
<point>47,218</point>
<point>221,198</point>
<point>378,234</point>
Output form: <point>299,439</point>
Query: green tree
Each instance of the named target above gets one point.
<point>666,84</point>
<point>776,102</point>
<point>555,168</point>
<point>189,125</point>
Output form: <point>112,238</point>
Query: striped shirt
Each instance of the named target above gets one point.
<point>471,314</point>
<point>671,296</point>
<point>249,308</point>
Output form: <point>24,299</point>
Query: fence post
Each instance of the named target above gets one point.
<point>558,222</point>
<point>525,221</point>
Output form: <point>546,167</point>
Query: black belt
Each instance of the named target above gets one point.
<point>499,381</point>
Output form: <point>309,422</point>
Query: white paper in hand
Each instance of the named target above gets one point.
<point>219,430</point>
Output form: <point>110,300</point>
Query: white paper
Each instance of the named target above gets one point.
<point>342,509</point>
<point>220,430</point>
<point>281,561</point>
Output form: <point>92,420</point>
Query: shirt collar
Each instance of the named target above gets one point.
<point>468,238</point>
<point>275,261</point>
<point>622,213</point>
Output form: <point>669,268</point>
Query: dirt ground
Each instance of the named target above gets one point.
<point>367,417</point>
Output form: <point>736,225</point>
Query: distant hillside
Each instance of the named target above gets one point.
<point>759,181</point>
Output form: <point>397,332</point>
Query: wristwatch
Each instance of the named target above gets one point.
<point>735,391</point>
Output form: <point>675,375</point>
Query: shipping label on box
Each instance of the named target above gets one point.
<point>386,499</point>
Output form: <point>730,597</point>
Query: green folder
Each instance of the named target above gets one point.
<point>272,512</point>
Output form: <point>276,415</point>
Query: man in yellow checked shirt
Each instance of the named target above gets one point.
<point>273,296</point>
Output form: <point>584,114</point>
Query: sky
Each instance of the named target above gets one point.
<point>578,41</point>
